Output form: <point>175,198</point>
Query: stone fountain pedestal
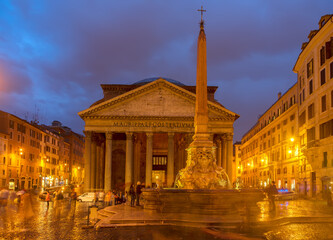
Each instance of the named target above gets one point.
<point>223,202</point>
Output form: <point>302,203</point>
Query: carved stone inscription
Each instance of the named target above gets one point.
<point>154,124</point>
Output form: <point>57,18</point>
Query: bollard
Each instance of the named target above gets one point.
<point>88,215</point>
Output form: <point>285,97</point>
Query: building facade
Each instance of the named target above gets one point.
<point>292,142</point>
<point>269,149</point>
<point>140,132</point>
<point>314,68</point>
<point>32,155</point>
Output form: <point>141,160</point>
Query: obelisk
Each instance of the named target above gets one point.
<point>201,135</point>
<point>201,171</point>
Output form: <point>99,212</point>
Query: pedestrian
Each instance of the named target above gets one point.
<point>73,197</point>
<point>272,191</point>
<point>26,205</point>
<point>48,198</point>
<point>4,193</point>
<point>112,201</point>
<point>107,199</point>
<point>96,198</point>
<point>59,201</point>
<point>132,195</point>
<point>138,193</point>
<point>329,197</point>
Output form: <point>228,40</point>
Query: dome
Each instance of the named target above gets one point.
<point>149,80</point>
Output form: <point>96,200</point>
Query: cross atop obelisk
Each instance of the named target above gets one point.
<point>202,11</point>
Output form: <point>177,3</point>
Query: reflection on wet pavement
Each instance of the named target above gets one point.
<point>305,220</point>
<point>66,222</point>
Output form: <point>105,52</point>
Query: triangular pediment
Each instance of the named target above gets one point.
<point>156,99</point>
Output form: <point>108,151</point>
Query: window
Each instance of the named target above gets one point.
<point>322,55</point>
<point>310,87</point>
<point>311,111</point>
<point>302,119</point>
<point>329,49</point>
<point>324,159</point>
<point>323,103</point>
<point>292,117</point>
<point>322,77</point>
<point>311,134</point>
<point>303,92</point>
<point>4,160</point>
<point>284,135</point>
<point>331,98</point>
<point>331,70</point>
<point>309,68</point>
<point>11,124</point>
<point>326,129</point>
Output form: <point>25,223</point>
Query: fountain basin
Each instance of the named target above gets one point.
<point>203,201</point>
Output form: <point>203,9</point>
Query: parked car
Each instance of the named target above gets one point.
<point>90,196</point>
<point>42,195</point>
<point>285,194</point>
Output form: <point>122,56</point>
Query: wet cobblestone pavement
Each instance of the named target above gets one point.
<point>296,220</point>
<point>65,223</point>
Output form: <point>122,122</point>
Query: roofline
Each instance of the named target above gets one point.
<point>81,113</point>
<point>320,30</point>
<point>295,84</point>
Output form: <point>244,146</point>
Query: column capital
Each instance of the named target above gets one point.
<point>149,134</point>
<point>87,133</point>
<point>171,134</point>
<point>108,135</point>
<point>229,137</point>
<point>129,135</point>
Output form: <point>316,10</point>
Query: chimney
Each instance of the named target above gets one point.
<point>279,95</point>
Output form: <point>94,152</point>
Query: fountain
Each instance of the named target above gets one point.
<point>202,187</point>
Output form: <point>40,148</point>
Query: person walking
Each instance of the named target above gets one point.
<point>107,199</point>
<point>132,195</point>
<point>329,197</point>
<point>272,191</point>
<point>73,197</point>
<point>48,198</point>
<point>138,193</point>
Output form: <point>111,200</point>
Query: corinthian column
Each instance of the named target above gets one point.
<point>129,160</point>
<point>108,161</point>
<point>224,153</point>
<point>230,156</point>
<point>219,152</point>
<point>87,157</point>
<point>171,161</point>
<point>149,159</point>
<point>93,164</point>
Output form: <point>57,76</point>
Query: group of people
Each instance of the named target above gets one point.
<point>113,197</point>
<point>20,200</point>
<point>135,193</point>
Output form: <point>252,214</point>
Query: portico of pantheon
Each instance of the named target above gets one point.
<point>140,132</point>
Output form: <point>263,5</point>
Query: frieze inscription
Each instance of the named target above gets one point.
<point>154,124</point>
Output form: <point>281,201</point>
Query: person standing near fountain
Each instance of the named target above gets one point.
<point>138,193</point>
<point>272,191</point>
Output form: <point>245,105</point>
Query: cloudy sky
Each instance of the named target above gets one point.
<point>55,54</point>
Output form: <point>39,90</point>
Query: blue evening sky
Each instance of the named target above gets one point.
<point>55,54</point>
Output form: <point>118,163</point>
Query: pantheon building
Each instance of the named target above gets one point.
<point>140,132</point>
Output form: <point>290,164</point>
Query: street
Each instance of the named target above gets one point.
<point>298,219</point>
<point>50,223</point>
